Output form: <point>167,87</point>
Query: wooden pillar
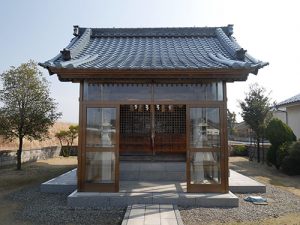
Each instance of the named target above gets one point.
<point>80,141</point>
<point>225,155</point>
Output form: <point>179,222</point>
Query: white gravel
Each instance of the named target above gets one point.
<point>44,208</point>
<point>284,202</point>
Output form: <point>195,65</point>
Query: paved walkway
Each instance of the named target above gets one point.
<point>152,215</point>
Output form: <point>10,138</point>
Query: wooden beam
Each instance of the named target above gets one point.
<point>76,75</point>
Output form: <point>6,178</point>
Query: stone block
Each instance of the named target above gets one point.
<point>217,200</point>
<point>139,198</point>
<point>168,221</point>
<point>186,199</point>
<point>87,200</point>
<point>175,167</point>
<point>135,221</point>
<point>165,198</point>
<point>137,213</point>
<point>129,175</point>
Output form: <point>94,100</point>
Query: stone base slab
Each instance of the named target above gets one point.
<point>95,199</point>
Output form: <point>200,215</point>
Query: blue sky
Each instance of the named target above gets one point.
<point>269,30</point>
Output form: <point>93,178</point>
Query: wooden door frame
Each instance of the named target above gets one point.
<point>101,187</point>
<point>223,187</point>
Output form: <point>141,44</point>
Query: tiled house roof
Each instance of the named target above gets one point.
<point>154,49</point>
<point>294,99</point>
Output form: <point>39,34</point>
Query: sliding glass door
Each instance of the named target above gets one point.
<point>101,149</point>
<point>204,161</point>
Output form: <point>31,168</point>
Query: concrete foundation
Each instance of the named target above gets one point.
<point>149,176</point>
<point>150,183</point>
<point>96,199</point>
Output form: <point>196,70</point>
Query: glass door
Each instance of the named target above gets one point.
<point>101,163</point>
<point>204,156</point>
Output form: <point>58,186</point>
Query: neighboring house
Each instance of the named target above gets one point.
<point>242,132</point>
<point>288,111</point>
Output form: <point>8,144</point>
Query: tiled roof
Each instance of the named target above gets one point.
<point>291,100</point>
<point>154,49</point>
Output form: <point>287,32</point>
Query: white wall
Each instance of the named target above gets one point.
<point>294,119</point>
<point>280,115</point>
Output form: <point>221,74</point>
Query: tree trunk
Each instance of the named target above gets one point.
<point>258,150</point>
<point>19,153</point>
<point>263,150</point>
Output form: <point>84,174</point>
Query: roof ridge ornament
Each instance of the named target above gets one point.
<point>230,29</point>
<point>66,54</point>
<point>75,30</point>
<point>240,54</point>
<point>76,47</point>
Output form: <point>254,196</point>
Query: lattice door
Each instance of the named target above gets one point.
<point>135,129</point>
<point>170,129</point>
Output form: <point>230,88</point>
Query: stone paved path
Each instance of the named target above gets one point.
<point>152,215</point>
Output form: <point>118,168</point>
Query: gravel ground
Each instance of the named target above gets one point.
<point>284,202</point>
<point>43,208</point>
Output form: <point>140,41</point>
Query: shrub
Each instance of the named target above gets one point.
<point>280,135</point>
<point>65,151</point>
<point>291,163</point>
<point>282,152</point>
<point>271,156</point>
<point>67,137</point>
<point>275,155</point>
<point>239,150</point>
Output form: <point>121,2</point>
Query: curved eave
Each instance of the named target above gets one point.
<point>76,75</point>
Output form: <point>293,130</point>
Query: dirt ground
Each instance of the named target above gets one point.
<point>31,174</point>
<point>265,174</point>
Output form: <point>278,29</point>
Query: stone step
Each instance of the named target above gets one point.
<point>95,199</point>
<point>149,175</point>
<point>153,166</point>
<point>152,171</point>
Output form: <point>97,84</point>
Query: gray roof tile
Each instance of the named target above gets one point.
<point>155,49</point>
<point>291,100</point>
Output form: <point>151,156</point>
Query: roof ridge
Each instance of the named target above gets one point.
<point>157,31</point>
